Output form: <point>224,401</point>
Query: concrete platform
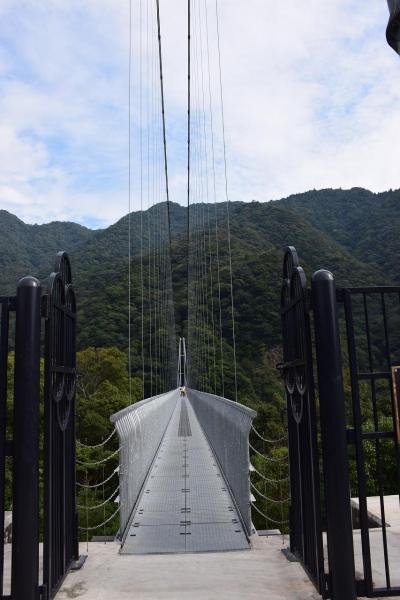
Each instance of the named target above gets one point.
<point>262,572</point>
<point>392,516</point>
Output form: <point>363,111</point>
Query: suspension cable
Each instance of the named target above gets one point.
<point>163,118</point>
<point>188,161</point>
<point>227,201</point>
<point>129,202</point>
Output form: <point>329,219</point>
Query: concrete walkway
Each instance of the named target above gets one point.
<point>262,572</point>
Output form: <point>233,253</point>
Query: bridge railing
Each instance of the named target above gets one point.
<point>227,425</point>
<point>140,428</point>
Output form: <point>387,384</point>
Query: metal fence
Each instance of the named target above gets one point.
<point>227,425</point>
<point>351,336</point>
<point>20,430</point>
<point>140,428</point>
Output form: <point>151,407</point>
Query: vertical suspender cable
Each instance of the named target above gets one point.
<point>188,164</point>
<point>129,201</point>
<point>141,190</point>
<point>222,389</point>
<point>227,201</point>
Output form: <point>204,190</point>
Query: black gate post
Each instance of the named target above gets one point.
<point>334,440</point>
<point>25,546</point>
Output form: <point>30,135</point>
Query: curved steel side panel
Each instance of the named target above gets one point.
<point>227,425</point>
<point>140,428</point>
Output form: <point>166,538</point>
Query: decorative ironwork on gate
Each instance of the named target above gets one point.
<point>61,539</point>
<point>305,517</point>
<point>19,438</point>
<point>351,335</point>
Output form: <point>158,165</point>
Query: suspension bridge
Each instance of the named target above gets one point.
<point>187,470</point>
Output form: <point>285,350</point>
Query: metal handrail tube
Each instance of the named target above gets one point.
<point>227,426</point>
<point>140,428</point>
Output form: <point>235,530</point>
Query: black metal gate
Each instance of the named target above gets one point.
<point>60,517</point>
<point>372,319</point>
<point>354,336</point>
<point>305,517</point>
<point>20,427</point>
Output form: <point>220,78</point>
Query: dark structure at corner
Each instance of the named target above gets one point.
<point>52,311</point>
<point>393,28</point>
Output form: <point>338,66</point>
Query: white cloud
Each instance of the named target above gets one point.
<point>311,100</point>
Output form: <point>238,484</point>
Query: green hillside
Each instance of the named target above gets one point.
<point>354,233</point>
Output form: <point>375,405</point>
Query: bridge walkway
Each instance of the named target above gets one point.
<point>185,504</point>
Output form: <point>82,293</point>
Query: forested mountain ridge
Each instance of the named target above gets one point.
<point>31,248</point>
<point>354,233</point>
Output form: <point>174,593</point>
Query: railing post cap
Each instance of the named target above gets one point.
<point>29,281</point>
<point>322,275</point>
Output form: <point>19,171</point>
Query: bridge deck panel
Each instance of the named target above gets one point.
<point>185,505</point>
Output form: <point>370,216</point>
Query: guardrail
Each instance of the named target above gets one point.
<point>227,425</point>
<point>140,428</point>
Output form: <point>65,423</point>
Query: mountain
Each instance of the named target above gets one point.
<point>354,233</point>
<point>31,248</point>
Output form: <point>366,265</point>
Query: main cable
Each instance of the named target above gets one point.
<point>163,118</point>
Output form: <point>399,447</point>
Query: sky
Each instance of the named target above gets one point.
<point>311,100</point>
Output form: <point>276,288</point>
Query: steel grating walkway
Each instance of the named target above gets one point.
<point>185,505</point>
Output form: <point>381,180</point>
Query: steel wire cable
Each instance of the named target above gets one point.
<point>269,441</point>
<point>96,485</point>
<point>149,65</point>
<point>268,479</point>
<point>97,462</point>
<point>215,198</point>
<point>96,506</point>
<point>141,189</point>
<point>100,525</point>
<point>284,500</point>
<point>206,159</point>
<point>129,202</point>
<point>188,160</point>
<point>227,200</point>
<point>277,522</point>
<point>269,458</point>
<point>97,445</point>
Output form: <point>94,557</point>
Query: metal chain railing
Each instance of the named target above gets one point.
<point>86,508</point>
<point>97,462</point>
<point>275,480</point>
<point>282,522</point>
<point>92,528</point>
<point>91,447</point>
<point>268,441</point>
<point>269,458</point>
<point>96,485</point>
<point>96,506</point>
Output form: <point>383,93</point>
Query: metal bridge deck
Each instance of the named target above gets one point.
<point>185,505</point>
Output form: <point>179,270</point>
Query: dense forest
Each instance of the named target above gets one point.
<point>353,233</point>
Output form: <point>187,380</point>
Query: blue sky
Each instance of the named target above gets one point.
<point>312,100</point>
